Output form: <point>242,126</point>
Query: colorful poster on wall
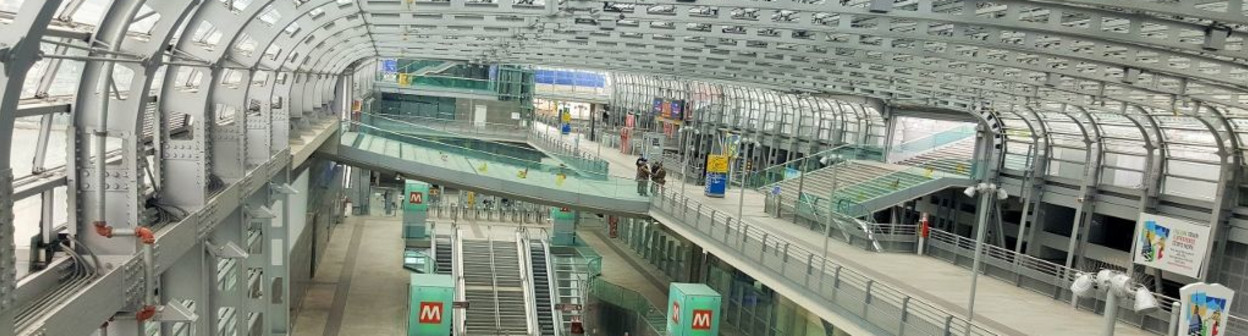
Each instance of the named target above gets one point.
<point>1205,309</point>
<point>1171,244</point>
<point>677,108</point>
<point>658,107</point>
<point>730,144</point>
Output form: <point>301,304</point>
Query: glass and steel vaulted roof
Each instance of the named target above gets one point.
<point>1172,75</point>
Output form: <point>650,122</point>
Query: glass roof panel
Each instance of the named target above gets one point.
<point>68,75</point>
<point>11,5</point>
<point>90,12</point>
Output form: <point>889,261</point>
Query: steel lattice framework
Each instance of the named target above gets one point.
<point>193,95</point>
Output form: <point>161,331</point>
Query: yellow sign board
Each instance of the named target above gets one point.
<point>403,79</point>
<point>717,163</point>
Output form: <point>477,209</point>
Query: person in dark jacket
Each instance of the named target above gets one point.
<point>658,175</point>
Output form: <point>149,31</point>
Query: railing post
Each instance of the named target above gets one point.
<point>836,282</point>
<point>866,303</point>
<point>762,252</point>
<point>810,267</point>
<point>948,325</point>
<point>905,312</point>
<point>698,213</point>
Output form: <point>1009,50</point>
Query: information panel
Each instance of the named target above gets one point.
<point>1205,309</point>
<point>1171,244</point>
<point>716,175</point>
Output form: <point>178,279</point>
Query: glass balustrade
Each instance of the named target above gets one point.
<point>933,141</point>
<point>422,151</point>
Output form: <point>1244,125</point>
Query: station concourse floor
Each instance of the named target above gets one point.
<point>999,306</point>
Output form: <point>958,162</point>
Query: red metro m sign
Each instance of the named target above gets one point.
<point>675,312</point>
<point>701,319</point>
<point>431,313</point>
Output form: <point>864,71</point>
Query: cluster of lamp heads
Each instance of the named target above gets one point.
<point>1115,283</point>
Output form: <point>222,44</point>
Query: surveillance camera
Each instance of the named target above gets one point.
<point>970,191</point>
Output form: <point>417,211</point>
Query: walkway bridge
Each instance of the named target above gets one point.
<point>860,292</point>
<point>386,149</point>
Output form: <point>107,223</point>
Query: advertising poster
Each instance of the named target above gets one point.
<point>731,145</point>
<point>716,175</point>
<point>658,107</point>
<point>1205,309</point>
<point>1170,244</point>
<point>678,108</point>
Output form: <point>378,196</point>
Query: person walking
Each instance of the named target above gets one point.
<point>643,178</point>
<point>658,175</point>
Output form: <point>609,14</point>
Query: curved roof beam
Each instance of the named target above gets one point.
<point>1063,40</point>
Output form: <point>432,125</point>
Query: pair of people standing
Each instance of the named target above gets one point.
<point>647,173</point>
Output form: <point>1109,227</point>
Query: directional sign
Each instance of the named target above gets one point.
<point>459,305</point>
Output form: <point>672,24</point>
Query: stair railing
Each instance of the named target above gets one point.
<point>526,283</point>
<point>457,271</point>
<point>930,142</point>
<point>555,314</point>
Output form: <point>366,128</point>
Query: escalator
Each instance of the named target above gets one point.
<point>444,254</point>
<point>542,288</point>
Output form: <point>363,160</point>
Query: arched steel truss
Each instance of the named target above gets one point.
<point>1103,83</point>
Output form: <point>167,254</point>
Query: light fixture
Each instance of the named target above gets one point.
<point>1145,302</point>
<point>1116,285</point>
<point>1002,195</point>
<point>1083,285</point>
<point>970,191</point>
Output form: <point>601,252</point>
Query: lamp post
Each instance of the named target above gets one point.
<point>985,191</point>
<point>684,164</point>
<point>744,160</point>
<point>1116,285</point>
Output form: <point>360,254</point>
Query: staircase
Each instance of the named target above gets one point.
<point>955,158</point>
<point>492,287</point>
<point>542,288</point>
<point>822,182</point>
<point>571,274</point>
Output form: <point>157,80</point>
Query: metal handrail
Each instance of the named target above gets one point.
<point>555,314</point>
<point>526,285</point>
<point>1040,266</point>
<point>498,321</point>
<point>805,269</point>
<point>457,271</point>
